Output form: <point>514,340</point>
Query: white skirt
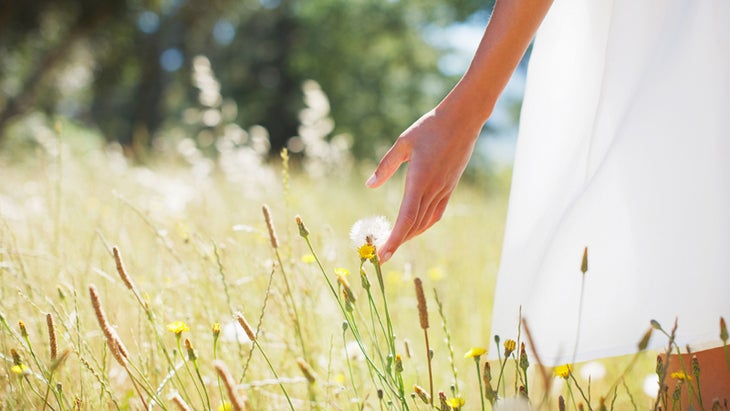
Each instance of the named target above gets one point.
<point>624,148</point>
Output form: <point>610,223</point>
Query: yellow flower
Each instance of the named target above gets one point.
<point>226,406</point>
<point>456,402</point>
<point>19,369</point>
<point>367,251</point>
<point>475,352</point>
<point>563,371</point>
<point>436,273</point>
<point>344,272</point>
<point>679,375</point>
<point>216,328</point>
<point>308,258</point>
<point>178,327</point>
<point>509,347</point>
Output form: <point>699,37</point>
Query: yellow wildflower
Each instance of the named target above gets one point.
<point>226,406</point>
<point>679,375</point>
<point>19,369</point>
<point>216,328</point>
<point>563,371</point>
<point>436,273</point>
<point>308,258</point>
<point>455,402</point>
<point>422,394</point>
<point>509,347</point>
<point>178,327</point>
<point>475,352</point>
<point>367,251</point>
<point>344,272</point>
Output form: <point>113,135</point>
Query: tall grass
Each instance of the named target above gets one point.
<point>145,287</point>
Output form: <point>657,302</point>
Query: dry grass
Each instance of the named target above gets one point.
<point>196,249</point>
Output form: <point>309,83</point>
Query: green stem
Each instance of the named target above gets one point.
<point>273,371</point>
<point>479,378</point>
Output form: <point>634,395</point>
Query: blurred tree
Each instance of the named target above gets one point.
<point>369,56</point>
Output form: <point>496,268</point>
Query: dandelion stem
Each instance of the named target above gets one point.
<point>479,378</point>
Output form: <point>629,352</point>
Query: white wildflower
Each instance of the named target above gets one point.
<point>376,229</point>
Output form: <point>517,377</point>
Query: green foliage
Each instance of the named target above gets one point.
<point>99,62</point>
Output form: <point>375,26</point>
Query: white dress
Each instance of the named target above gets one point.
<point>624,147</point>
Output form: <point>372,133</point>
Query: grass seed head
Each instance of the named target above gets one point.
<point>306,370</point>
<point>181,404</point>
<point>421,298</point>
<point>270,226</point>
<point>52,336</point>
<point>723,330</point>
<point>584,261</point>
<point>121,270</point>
<point>229,383</point>
<point>116,347</point>
<point>246,326</point>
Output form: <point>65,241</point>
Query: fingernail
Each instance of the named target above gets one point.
<point>371,180</point>
<point>387,256</point>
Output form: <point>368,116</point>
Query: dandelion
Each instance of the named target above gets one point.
<point>346,289</point>
<point>367,251</point>
<point>369,233</point>
<point>475,352</point>
<point>509,347</point>
<point>192,354</point>
<point>455,403</point>
<point>302,228</point>
<point>422,394</point>
<point>371,230</point>
<point>563,371</point>
<point>178,327</point>
<point>398,363</point>
<point>20,369</point>
<point>680,376</point>
<point>23,330</point>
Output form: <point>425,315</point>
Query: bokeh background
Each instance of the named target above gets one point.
<point>149,74</point>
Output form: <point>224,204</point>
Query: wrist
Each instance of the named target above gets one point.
<point>470,104</point>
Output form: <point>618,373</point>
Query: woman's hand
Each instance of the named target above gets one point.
<point>438,145</point>
<point>437,148</point>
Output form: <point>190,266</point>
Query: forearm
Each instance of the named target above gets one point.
<point>511,28</point>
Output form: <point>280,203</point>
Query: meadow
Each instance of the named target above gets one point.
<point>166,286</point>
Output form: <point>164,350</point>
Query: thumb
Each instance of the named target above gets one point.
<point>389,164</point>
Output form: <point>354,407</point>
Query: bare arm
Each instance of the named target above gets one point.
<point>438,146</point>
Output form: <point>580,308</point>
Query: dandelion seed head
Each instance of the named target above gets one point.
<point>650,385</point>
<point>371,231</point>
<point>593,370</point>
